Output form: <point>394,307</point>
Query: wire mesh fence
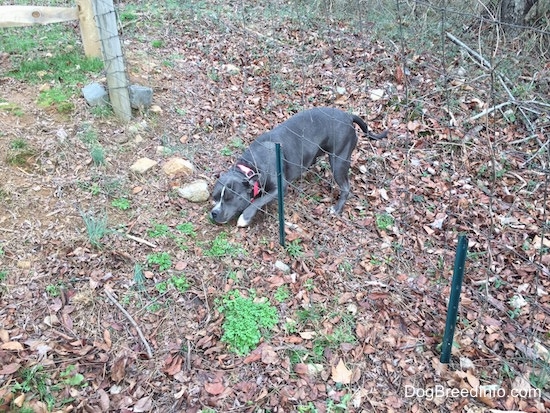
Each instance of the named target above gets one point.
<point>463,91</point>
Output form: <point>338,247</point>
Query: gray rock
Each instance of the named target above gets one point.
<point>141,97</point>
<point>196,191</point>
<point>95,94</point>
<point>282,266</point>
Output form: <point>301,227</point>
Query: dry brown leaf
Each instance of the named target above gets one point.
<point>301,369</point>
<point>107,338</point>
<point>214,389</point>
<point>341,374</point>
<point>269,356</point>
<point>104,401</point>
<point>173,365</point>
<point>12,346</point>
<point>4,335</point>
<point>144,404</point>
<point>10,368</point>
<point>118,370</point>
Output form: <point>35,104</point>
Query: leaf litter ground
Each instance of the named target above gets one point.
<point>366,306</point>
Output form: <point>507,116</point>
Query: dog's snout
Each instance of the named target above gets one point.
<point>213,214</point>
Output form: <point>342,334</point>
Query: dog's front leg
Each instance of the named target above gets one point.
<point>246,216</point>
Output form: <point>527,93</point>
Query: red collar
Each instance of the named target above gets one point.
<point>250,174</point>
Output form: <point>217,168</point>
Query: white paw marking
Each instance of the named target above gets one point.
<point>241,222</point>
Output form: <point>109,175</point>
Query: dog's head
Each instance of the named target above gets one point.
<point>232,194</point>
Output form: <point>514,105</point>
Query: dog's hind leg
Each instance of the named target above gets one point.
<point>340,163</point>
<point>340,169</point>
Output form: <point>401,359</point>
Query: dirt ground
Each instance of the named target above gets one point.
<point>361,293</point>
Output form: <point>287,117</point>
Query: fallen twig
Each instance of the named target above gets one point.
<point>489,110</point>
<point>140,240</point>
<point>486,64</point>
<point>131,320</point>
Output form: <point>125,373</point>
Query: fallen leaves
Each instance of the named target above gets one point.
<point>341,374</point>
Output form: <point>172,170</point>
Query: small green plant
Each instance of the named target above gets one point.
<point>96,227</point>
<point>20,153</point>
<point>515,313</point>
<point>98,155</point>
<point>295,249</point>
<point>157,44</point>
<point>245,319</point>
<point>139,276</point>
<point>282,293</point>
<point>307,408</point>
<point>339,407</point>
<point>72,378</point>
<point>309,284</point>
<point>384,221</point>
<point>121,203</point>
<point>158,230</point>
<point>221,247</point>
<point>58,98</point>
<point>53,290</point>
<point>102,111</point>
<point>153,308</point>
<point>540,379</point>
<point>225,151</point>
<point>187,228</point>
<point>162,287</point>
<point>35,380</point>
<point>180,283</point>
<point>3,275</point>
<point>19,144</point>
<point>160,259</point>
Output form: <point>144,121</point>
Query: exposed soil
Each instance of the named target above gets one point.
<point>387,288</point>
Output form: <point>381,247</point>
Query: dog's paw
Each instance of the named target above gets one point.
<point>242,222</point>
<point>332,210</point>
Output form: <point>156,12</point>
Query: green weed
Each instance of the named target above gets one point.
<point>19,144</point>
<point>384,221</point>
<point>139,277</point>
<point>162,260</point>
<point>282,293</point>
<point>180,283</point>
<point>295,249</point>
<point>121,203</point>
<point>245,319</point>
<point>53,290</point>
<point>221,247</point>
<point>57,98</point>
<point>34,380</point>
<point>158,230</point>
<point>96,227</point>
<point>98,155</point>
<point>72,378</point>
<point>162,287</point>
<point>187,229</point>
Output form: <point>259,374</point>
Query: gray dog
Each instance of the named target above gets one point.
<point>252,183</point>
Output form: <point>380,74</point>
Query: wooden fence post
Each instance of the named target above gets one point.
<point>88,28</point>
<point>117,81</point>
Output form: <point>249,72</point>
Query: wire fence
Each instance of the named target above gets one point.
<point>464,95</point>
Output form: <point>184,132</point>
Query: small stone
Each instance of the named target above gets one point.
<point>282,266</point>
<point>95,94</point>
<point>141,97</point>
<point>142,165</point>
<point>178,167</point>
<point>196,191</point>
<point>377,94</point>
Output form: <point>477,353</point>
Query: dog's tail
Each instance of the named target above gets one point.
<point>363,125</point>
